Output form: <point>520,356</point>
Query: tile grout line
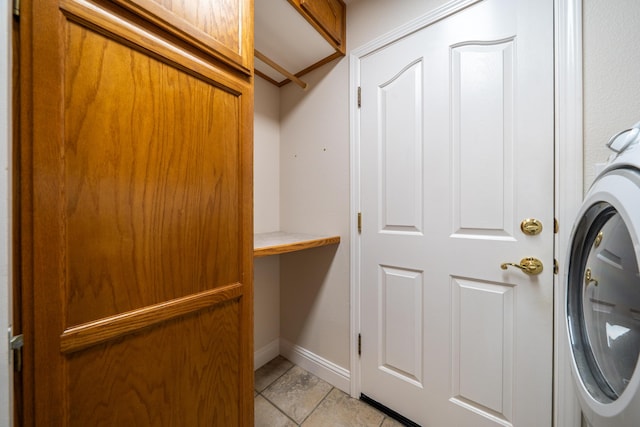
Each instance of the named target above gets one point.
<point>281,375</point>
<point>278,408</point>
<point>272,383</point>
<point>316,407</point>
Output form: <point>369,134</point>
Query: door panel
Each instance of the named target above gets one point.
<point>143,383</point>
<point>483,339</point>
<point>456,149</point>
<point>400,354</point>
<point>140,236</point>
<point>482,77</point>
<point>218,27</point>
<point>401,140</point>
<point>130,240</point>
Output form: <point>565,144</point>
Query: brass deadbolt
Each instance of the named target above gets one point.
<point>531,226</point>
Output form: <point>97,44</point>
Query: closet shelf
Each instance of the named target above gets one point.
<point>280,242</point>
<point>294,37</point>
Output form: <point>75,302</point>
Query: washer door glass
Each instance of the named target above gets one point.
<point>604,303</point>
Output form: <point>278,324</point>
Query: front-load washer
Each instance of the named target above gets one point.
<point>603,290</point>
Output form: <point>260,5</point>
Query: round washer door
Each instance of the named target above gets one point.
<point>603,301</point>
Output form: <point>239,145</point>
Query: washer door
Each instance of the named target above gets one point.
<point>603,300</point>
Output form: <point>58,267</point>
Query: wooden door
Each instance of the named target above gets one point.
<point>136,212</point>
<point>456,150</point>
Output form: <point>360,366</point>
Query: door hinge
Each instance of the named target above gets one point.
<point>359,345</point>
<point>556,266</point>
<point>16,7</point>
<point>15,345</point>
<point>556,225</point>
<point>359,222</point>
<point>359,95</point>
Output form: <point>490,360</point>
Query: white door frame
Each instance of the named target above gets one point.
<point>6,379</point>
<point>568,177</point>
<point>568,187</point>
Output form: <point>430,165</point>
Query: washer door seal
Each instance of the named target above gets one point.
<point>603,303</point>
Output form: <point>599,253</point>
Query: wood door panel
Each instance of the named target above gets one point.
<point>215,27</point>
<point>150,175</point>
<point>109,328</point>
<point>328,14</point>
<point>219,20</point>
<point>128,382</point>
<point>136,218</point>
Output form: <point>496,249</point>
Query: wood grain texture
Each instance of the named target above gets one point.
<point>328,14</point>
<point>265,77</point>
<point>101,330</point>
<point>279,69</point>
<point>95,15</point>
<point>328,17</point>
<point>312,67</point>
<point>149,187</point>
<point>185,373</point>
<point>136,223</point>
<point>217,27</point>
<point>219,19</point>
<point>280,243</point>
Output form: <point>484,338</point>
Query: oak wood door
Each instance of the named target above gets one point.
<point>136,212</point>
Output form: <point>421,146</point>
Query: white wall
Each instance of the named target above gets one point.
<point>266,157</point>
<point>315,199</point>
<point>5,138</point>
<point>267,218</point>
<point>315,187</point>
<point>369,19</point>
<point>611,32</point>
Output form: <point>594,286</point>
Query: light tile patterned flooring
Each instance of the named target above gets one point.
<point>287,396</point>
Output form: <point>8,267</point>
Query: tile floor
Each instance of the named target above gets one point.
<point>287,396</point>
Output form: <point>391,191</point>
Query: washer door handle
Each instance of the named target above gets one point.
<point>528,265</point>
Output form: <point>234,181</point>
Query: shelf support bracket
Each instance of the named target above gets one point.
<point>271,63</point>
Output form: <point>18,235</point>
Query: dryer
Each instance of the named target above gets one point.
<point>603,290</point>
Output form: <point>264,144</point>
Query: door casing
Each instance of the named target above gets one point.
<point>6,366</point>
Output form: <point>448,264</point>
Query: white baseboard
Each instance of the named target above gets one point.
<point>266,353</point>
<point>335,375</point>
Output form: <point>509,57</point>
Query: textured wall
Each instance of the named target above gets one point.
<point>611,31</point>
<point>266,211</point>
<point>266,172</point>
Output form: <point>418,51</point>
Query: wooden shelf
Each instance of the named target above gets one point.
<point>298,36</point>
<point>280,242</point>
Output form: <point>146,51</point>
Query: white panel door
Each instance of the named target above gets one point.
<point>456,149</point>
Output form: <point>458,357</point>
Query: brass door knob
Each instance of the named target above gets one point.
<point>528,265</point>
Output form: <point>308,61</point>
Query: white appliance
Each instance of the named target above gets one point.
<point>603,290</point>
